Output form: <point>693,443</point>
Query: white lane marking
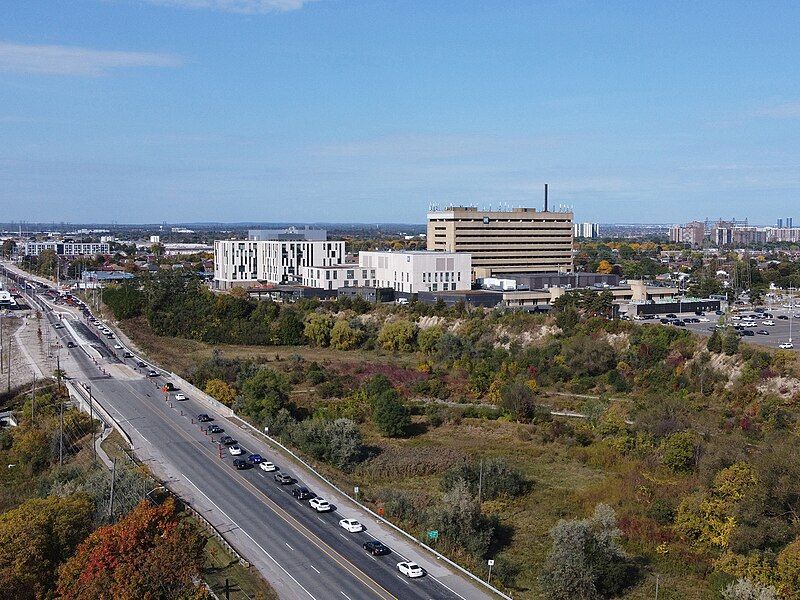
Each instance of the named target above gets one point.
<point>315,568</point>
<point>344,536</point>
<point>249,536</point>
<point>403,579</point>
<point>321,520</point>
<point>345,595</point>
<point>288,546</point>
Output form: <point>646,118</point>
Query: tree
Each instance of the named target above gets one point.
<point>221,390</point>
<point>35,538</point>
<point>678,451</point>
<point>8,248</point>
<point>318,328</point>
<point>462,524</point>
<point>586,355</point>
<point>344,337</point>
<point>428,339</point>
<point>389,414</point>
<point>714,343</point>
<point>788,565</point>
<point>586,561</point>
<point>264,394</point>
<point>519,399</point>
<point>126,301</point>
<point>605,267</point>
<point>150,553</point>
<point>730,343</point>
<point>745,589</point>
<point>398,336</point>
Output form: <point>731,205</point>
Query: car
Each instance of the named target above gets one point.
<point>797,316</point>
<point>58,326</point>
<point>665,321</point>
<point>672,316</point>
<point>678,323</point>
<point>783,317</point>
<point>410,569</point>
<point>255,459</point>
<point>712,327</point>
<point>180,397</point>
<point>375,548</point>
<point>235,450</point>
<point>699,313</point>
<point>351,525</point>
<point>215,429</point>
<point>718,312</point>
<point>204,418</point>
<point>762,332</point>
<point>320,504</point>
<point>283,478</point>
<point>70,344</point>
<point>141,365</point>
<point>127,354</point>
<point>702,320</point>
<point>117,346</point>
<point>240,464</point>
<point>109,335</point>
<point>302,493</point>
<point>768,323</point>
<point>152,373</point>
<point>746,332</point>
<point>786,346</point>
<point>227,440</point>
<point>267,466</point>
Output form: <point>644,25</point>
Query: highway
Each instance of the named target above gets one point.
<point>304,554</point>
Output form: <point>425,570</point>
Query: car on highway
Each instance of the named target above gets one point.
<point>215,429</point>
<point>351,525</point>
<point>240,464</point>
<point>786,346</point>
<point>109,335</point>
<point>58,326</point>
<point>410,569</point>
<point>153,373</point>
<point>320,504</point>
<point>375,548</point>
<point>302,493</point>
<point>227,440</point>
<point>70,344</point>
<point>283,478</point>
<point>267,466</point>
<point>664,321</point>
<point>117,346</point>
<point>204,418</point>
<point>762,332</point>
<point>127,355</point>
<point>141,365</point>
<point>180,397</point>
<point>235,450</point>
<point>255,459</point>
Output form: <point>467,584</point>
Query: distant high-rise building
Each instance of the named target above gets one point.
<point>586,230</point>
<point>693,233</point>
<point>780,223</point>
<point>789,222</point>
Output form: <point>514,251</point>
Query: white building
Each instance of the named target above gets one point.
<point>419,271</point>
<point>65,248</point>
<point>245,262</point>
<point>585,230</point>
<point>337,276</point>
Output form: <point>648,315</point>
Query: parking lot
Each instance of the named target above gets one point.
<point>778,333</point>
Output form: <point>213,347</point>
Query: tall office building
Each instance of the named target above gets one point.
<point>520,240</point>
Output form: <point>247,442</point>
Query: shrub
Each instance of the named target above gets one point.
<point>344,337</point>
<point>317,328</point>
<point>220,390</point>
<point>491,479</point>
<point>389,414</point>
<point>678,451</point>
<point>462,524</point>
<point>398,336</point>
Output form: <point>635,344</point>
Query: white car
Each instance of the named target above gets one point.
<point>703,319</point>
<point>267,466</point>
<point>180,397</point>
<point>118,346</point>
<point>410,569</point>
<point>769,323</point>
<point>351,525</point>
<point>786,346</point>
<point>320,504</point>
<point>235,450</point>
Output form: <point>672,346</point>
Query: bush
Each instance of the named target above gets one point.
<point>493,478</point>
<point>317,328</point>
<point>398,336</point>
<point>461,523</point>
<point>389,414</point>
<point>264,394</point>
<point>344,337</point>
<point>678,451</point>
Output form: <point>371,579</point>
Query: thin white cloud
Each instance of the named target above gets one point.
<point>787,110</point>
<point>74,60</point>
<point>247,7</point>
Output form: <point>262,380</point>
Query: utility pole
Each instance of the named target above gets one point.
<point>91,420</point>
<point>657,578</point>
<point>111,499</point>
<point>480,482</point>
<point>60,431</point>
<point>33,401</point>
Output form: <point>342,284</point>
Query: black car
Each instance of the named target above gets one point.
<point>718,312</point>
<point>679,323</point>
<point>375,548</point>
<point>141,365</point>
<point>215,429</point>
<point>672,316</point>
<point>747,332</point>
<point>127,354</point>
<point>664,321</point>
<point>70,344</point>
<point>227,440</point>
<point>240,464</point>
<point>204,418</point>
<point>783,317</point>
<point>302,493</point>
<point>283,478</point>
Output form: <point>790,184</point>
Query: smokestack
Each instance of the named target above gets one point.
<point>545,197</point>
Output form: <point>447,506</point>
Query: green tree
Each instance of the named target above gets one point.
<point>428,339</point>
<point>264,394</point>
<point>678,451</point>
<point>519,399</point>
<point>389,414</point>
<point>318,328</point>
<point>344,337</point>
<point>461,523</point>
<point>398,335</point>
<point>730,343</point>
<point>788,567</point>
<point>714,343</point>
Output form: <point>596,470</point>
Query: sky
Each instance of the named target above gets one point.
<point>143,111</point>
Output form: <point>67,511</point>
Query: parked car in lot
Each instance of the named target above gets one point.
<point>227,440</point>
<point>768,323</point>
<point>351,525</point>
<point>58,326</point>
<point>410,569</point>
<point>240,464</point>
<point>783,317</point>
<point>302,493</point>
<point>320,504</point>
<point>235,450</point>
<point>117,346</point>
<point>204,418</point>
<point>255,459</point>
<point>786,346</point>
<point>215,429</point>
<point>762,332</point>
<point>267,466</point>
<point>180,397</point>
<point>375,548</point>
<point>283,478</point>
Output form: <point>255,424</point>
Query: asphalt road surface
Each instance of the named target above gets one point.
<point>304,553</point>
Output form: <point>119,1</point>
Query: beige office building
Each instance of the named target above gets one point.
<point>520,240</point>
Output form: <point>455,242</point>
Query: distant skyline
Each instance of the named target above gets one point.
<point>183,111</point>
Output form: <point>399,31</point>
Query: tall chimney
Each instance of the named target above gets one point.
<point>545,197</point>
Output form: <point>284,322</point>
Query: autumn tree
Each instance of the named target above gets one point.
<point>148,554</point>
<point>221,390</point>
<point>318,328</point>
<point>398,335</point>
<point>344,337</point>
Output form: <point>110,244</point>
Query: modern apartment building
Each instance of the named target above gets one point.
<point>65,248</point>
<point>693,233</point>
<point>520,240</point>
<point>246,263</point>
<point>586,230</point>
<point>419,271</point>
<point>337,276</point>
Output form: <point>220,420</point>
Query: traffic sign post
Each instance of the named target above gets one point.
<point>433,534</point>
<point>491,564</point>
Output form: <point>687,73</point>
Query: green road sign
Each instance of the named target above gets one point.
<point>433,535</point>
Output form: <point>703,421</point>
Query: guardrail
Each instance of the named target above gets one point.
<point>383,520</point>
<point>102,412</point>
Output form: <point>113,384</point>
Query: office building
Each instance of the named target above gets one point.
<point>586,230</point>
<point>412,272</point>
<point>519,240</point>
<point>65,248</point>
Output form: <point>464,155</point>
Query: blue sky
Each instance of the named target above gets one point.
<point>355,111</point>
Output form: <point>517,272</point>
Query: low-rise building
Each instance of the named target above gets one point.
<point>417,271</point>
<point>65,248</point>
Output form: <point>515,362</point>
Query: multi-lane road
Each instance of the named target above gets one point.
<point>304,554</point>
